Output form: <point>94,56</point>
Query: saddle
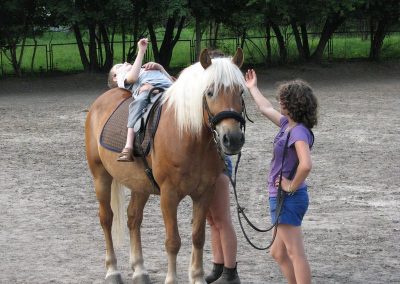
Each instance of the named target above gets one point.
<point>113,135</point>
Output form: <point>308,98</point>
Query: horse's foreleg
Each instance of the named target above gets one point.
<point>103,194</point>
<point>200,208</point>
<point>169,205</point>
<point>135,217</point>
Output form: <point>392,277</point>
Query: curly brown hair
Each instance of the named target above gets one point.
<point>298,98</point>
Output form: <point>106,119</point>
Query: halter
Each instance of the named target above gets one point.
<point>215,119</point>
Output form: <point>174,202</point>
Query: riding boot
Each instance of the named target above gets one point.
<point>215,272</point>
<point>229,276</point>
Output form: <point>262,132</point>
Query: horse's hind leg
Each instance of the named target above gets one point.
<point>135,217</point>
<point>102,182</point>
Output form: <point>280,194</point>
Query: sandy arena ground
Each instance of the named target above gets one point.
<point>50,232</point>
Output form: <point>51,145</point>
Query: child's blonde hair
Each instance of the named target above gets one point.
<point>110,82</point>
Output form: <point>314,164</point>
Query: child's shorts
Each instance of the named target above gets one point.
<point>294,207</point>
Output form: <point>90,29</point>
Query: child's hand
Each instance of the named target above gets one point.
<point>152,66</point>
<point>142,44</point>
<point>251,78</point>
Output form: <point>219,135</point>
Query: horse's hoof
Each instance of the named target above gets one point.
<point>114,278</point>
<point>141,279</point>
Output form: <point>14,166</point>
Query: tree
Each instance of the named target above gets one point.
<point>99,19</point>
<point>19,20</point>
<point>300,14</point>
<point>382,15</point>
<point>333,13</point>
<point>166,18</point>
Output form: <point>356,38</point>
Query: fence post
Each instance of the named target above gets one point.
<point>47,59</point>
<point>330,47</point>
<point>51,56</point>
<point>1,62</point>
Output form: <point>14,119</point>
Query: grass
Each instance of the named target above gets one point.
<point>58,51</point>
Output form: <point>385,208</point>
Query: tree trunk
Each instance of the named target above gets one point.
<point>153,39</point>
<point>198,39</point>
<point>14,60</point>
<point>297,38</point>
<point>92,48</point>
<point>132,48</point>
<point>377,38</point>
<point>331,25</point>
<point>81,47</point>
<point>281,42</point>
<point>123,33</point>
<point>304,36</point>
<point>268,59</point>
<point>107,48</point>
<point>169,41</point>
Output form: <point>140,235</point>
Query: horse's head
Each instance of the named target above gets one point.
<point>222,100</point>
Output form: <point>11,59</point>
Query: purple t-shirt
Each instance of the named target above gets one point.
<point>297,133</point>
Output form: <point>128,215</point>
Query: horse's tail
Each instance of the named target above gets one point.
<point>118,208</point>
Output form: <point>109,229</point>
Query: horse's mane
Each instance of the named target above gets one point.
<point>185,96</point>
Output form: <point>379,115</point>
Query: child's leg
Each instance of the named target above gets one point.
<point>279,254</point>
<point>130,138</point>
<point>293,241</point>
<point>127,153</point>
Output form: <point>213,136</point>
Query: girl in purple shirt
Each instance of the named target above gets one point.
<point>297,115</point>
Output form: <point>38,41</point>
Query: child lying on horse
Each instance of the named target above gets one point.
<point>139,80</point>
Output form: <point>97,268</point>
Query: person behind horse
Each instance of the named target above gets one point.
<point>139,80</point>
<point>298,114</point>
<point>223,236</point>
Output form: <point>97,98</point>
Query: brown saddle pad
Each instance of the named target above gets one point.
<point>113,135</point>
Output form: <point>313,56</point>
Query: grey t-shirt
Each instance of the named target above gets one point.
<point>155,78</point>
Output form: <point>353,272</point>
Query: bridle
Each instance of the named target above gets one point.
<point>213,120</point>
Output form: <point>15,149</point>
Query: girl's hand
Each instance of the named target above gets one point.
<point>284,184</point>
<point>251,78</point>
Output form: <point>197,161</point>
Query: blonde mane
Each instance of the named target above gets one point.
<point>185,96</point>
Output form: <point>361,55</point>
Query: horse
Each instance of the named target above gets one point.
<point>202,116</point>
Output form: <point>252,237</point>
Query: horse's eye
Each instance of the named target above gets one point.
<point>210,94</point>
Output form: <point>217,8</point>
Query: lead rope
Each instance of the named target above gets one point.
<point>240,209</point>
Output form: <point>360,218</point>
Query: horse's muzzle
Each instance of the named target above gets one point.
<point>232,142</point>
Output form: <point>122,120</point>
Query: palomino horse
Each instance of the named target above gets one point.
<point>185,159</point>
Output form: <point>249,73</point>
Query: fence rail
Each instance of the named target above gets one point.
<point>65,56</point>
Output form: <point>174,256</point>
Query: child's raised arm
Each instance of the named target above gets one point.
<point>133,74</point>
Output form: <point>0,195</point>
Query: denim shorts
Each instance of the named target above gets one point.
<point>294,207</point>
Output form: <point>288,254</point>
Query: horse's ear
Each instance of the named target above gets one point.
<point>205,59</point>
<point>238,58</point>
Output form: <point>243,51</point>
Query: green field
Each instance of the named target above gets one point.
<point>57,51</point>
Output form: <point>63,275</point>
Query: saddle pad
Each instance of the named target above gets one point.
<point>113,136</point>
